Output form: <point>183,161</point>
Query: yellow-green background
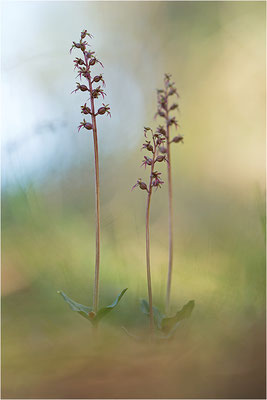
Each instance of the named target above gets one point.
<point>215,52</point>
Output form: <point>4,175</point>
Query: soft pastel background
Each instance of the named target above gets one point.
<point>216,54</point>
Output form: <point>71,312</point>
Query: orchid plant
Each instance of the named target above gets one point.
<point>159,151</point>
<point>164,108</point>
<point>85,65</point>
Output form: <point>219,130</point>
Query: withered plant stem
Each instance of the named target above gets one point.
<point>169,280</point>
<point>97,200</point>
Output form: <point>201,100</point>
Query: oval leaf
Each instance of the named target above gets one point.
<point>156,313</point>
<point>105,310</point>
<point>80,308</point>
<point>167,324</point>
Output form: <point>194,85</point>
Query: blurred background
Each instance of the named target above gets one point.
<point>215,52</point>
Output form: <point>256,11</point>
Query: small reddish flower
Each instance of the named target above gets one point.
<point>99,78</point>
<point>174,107</point>
<point>159,139</point>
<point>96,92</point>
<point>103,110</point>
<point>163,149</point>
<point>147,161</point>
<point>84,33</point>
<point>160,113</point>
<point>88,54</point>
<point>83,88</point>
<point>161,158</point>
<point>78,62</point>
<point>156,181</point>
<point>94,60</point>
<point>83,71</point>
<point>161,130</point>
<point>172,121</point>
<point>141,184</point>
<point>85,125</point>
<point>85,109</point>
<point>178,139</point>
<point>148,146</point>
<point>81,45</point>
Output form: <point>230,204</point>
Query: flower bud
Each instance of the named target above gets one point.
<point>161,130</point>
<point>97,78</point>
<point>178,139</point>
<point>88,126</point>
<point>92,61</point>
<point>83,88</point>
<point>172,121</point>
<point>78,61</point>
<point>88,54</point>
<point>161,113</point>
<point>163,149</point>
<point>85,125</point>
<point>147,161</point>
<point>84,33</point>
<point>85,109</point>
<point>102,110</point>
<point>160,158</point>
<point>143,185</point>
<point>174,106</point>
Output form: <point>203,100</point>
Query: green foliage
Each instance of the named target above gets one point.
<point>88,312</point>
<point>105,310</point>
<point>168,325</point>
<point>157,314</point>
<point>80,308</point>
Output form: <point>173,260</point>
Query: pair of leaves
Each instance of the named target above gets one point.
<point>167,325</point>
<point>87,312</point>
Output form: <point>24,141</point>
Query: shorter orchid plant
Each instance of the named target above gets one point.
<point>84,66</point>
<point>159,151</point>
<point>153,147</point>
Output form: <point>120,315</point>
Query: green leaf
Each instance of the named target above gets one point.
<point>144,306</point>
<point>156,313</point>
<point>167,324</point>
<point>105,310</point>
<point>80,308</point>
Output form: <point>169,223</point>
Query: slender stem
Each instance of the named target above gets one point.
<point>97,200</point>
<point>168,292</point>
<point>149,285</point>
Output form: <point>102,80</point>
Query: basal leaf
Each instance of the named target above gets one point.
<point>105,310</point>
<point>167,324</point>
<point>144,306</point>
<point>156,313</point>
<point>80,308</point>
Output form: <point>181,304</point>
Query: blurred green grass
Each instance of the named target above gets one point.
<point>219,262</point>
